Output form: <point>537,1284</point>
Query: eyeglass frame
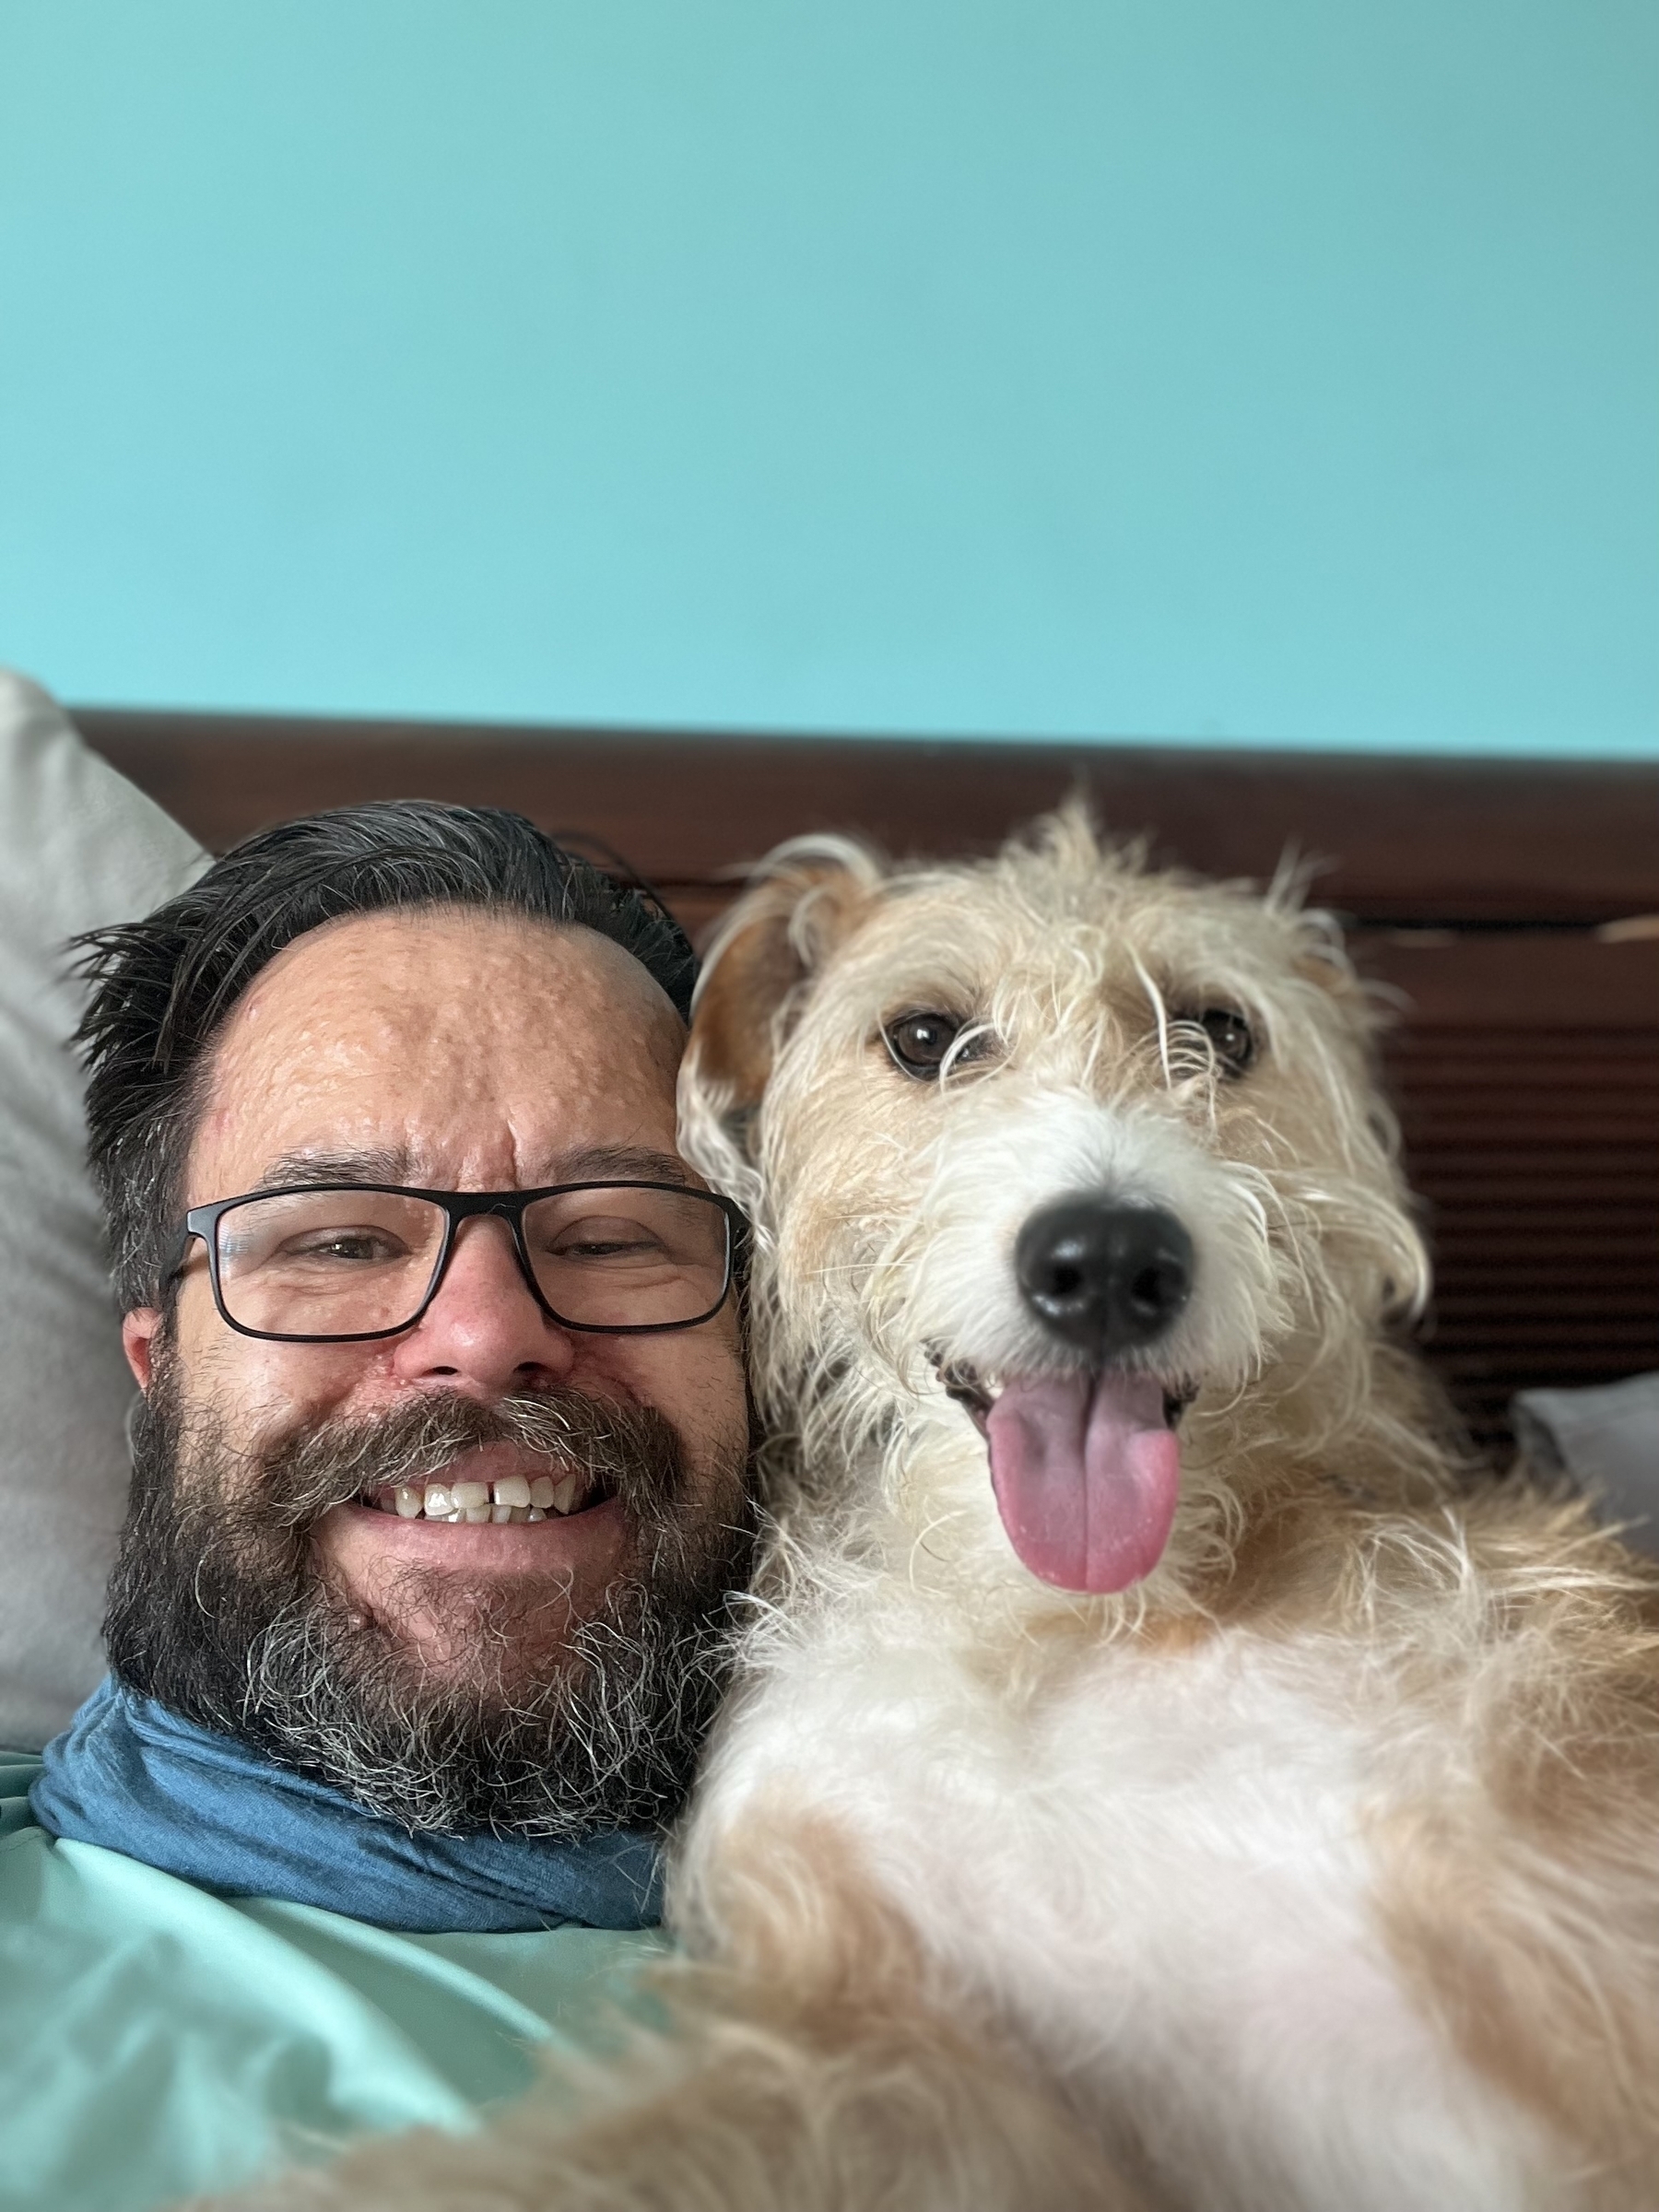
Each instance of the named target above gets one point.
<point>458,1206</point>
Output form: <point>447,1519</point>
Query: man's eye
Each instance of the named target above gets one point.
<point>360,1247</point>
<point>1230,1036</point>
<point>919,1042</point>
<point>595,1241</point>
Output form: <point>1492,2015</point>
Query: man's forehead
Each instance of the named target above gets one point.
<point>477,1049</point>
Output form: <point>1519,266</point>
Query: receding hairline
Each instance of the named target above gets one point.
<point>468,918</point>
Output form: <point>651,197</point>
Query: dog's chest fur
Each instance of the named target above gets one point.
<point>1158,1870</point>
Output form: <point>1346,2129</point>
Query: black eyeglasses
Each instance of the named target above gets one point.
<point>343,1262</point>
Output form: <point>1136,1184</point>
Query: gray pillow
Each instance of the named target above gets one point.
<point>79,847</point>
<point>1606,1441</point>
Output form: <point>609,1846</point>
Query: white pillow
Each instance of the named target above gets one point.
<point>80,847</point>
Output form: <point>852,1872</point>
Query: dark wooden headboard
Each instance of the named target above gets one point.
<point>1514,905</point>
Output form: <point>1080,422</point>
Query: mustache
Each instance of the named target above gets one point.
<point>632,1450</point>
<point>220,1609</point>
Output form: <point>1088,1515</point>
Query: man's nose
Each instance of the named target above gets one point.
<point>484,1331</point>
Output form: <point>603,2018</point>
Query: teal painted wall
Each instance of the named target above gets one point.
<point>1268,370</point>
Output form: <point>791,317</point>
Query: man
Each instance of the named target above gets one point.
<point>439,1495</point>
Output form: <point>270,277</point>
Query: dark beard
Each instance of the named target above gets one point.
<point>219,1610</point>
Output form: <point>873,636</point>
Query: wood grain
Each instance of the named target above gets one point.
<point>1409,839</point>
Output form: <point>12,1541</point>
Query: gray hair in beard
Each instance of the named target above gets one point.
<point>219,1610</point>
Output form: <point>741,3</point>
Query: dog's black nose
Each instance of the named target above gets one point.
<point>1103,1275</point>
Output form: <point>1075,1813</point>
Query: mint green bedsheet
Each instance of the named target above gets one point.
<point>156,2041</point>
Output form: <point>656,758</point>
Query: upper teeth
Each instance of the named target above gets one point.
<point>514,1498</point>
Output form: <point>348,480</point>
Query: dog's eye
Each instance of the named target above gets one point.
<point>919,1042</point>
<point>1230,1035</point>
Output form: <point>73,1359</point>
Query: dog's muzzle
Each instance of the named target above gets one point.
<point>1105,1276</point>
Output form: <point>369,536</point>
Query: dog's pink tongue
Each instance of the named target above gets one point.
<point>1086,1472</point>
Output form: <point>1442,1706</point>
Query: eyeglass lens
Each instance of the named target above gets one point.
<point>348,1262</point>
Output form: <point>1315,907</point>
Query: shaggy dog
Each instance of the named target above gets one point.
<point>1159,1774</point>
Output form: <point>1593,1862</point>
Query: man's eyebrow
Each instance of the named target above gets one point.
<point>622,1163</point>
<point>309,1166</point>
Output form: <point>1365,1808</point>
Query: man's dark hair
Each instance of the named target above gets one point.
<point>161,986</point>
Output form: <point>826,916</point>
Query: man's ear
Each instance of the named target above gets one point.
<point>801,904</point>
<point>137,1332</point>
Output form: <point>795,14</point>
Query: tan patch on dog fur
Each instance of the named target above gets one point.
<point>780,930</point>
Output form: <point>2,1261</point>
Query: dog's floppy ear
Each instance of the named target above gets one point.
<point>801,904</point>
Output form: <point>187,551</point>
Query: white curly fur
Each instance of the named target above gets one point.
<point>1265,1858</point>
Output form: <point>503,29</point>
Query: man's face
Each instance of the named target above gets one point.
<point>451,1051</point>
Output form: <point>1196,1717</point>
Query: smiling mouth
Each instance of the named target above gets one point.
<point>976,1394</point>
<point>512,1499</point>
